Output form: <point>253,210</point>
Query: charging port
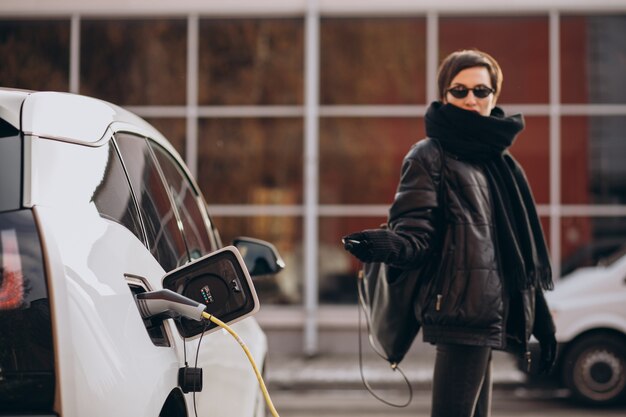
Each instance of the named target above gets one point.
<point>154,326</point>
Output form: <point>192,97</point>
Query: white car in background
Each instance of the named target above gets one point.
<point>589,310</point>
<point>96,207</point>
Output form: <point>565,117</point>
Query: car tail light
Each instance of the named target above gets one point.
<point>12,281</point>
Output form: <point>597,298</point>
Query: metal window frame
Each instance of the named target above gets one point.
<point>311,110</point>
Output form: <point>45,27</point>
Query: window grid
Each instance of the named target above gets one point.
<point>312,111</point>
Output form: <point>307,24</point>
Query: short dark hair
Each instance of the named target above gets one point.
<point>468,58</point>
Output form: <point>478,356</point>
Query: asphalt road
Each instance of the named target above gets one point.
<point>352,403</point>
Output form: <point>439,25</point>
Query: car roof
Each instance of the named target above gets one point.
<point>69,117</point>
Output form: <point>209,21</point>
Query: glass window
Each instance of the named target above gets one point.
<point>186,200</point>
<point>592,166</point>
<point>285,232</point>
<point>165,239</point>
<point>251,61</point>
<point>251,161</point>
<point>532,150</point>
<point>373,61</point>
<point>361,158</point>
<point>35,54</point>
<point>573,47</point>
<point>591,241</point>
<point>113,196</point>
<point>575,178</point>
<point>174,129</point>
<point>134,62</point>
<point>593,59</point>
<point>524,58</point>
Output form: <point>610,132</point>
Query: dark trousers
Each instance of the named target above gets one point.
<point>462,381</point>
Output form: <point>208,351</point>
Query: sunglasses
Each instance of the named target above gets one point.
<point>461,91</point>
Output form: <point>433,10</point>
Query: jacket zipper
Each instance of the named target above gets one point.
<point>449,228</point>
<point>443,277</point>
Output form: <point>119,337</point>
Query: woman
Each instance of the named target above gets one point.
<point>483,231</point>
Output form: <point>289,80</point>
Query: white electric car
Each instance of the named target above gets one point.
<point>589,310</point>
<point>96,207</point>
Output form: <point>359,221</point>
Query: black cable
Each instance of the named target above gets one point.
<point>394,366</point>
<point>206,325</point>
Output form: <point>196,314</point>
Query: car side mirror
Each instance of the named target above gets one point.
<point>219,280</point>
<point>261,257</point>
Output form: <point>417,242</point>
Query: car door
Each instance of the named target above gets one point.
<point>94,240</point>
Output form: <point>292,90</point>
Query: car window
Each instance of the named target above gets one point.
<point>165,239</point>
<point>113,197</point>
<point>186,201</point>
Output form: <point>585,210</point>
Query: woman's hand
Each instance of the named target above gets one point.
<point>374,245</point>
<point>358,245</point>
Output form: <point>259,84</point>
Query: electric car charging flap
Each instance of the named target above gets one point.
<point>221,282</point>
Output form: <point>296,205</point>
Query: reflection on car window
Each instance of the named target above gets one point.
<point>113,197</point>
<point>165,240</point>
<point>186,201</point>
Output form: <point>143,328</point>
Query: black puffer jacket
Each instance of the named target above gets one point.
<point>466,302</point>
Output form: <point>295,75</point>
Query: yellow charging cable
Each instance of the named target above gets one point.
<point>259,378</point>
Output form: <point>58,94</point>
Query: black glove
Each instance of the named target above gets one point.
<point>548,354</point>
<point>374,245</point>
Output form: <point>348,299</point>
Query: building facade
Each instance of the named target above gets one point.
<point>305,109</point>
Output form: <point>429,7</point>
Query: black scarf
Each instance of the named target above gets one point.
<point>482,140</point>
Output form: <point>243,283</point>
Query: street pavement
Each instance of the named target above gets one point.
<point>330,385</point>
<point>351,403</point>
<point>341,371</point>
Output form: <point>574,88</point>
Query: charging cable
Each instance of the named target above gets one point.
<point>259,377</point>
<point>362,308</point>
<point>169,304</point>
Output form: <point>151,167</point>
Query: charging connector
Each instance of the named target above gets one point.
<point>168,304</point>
